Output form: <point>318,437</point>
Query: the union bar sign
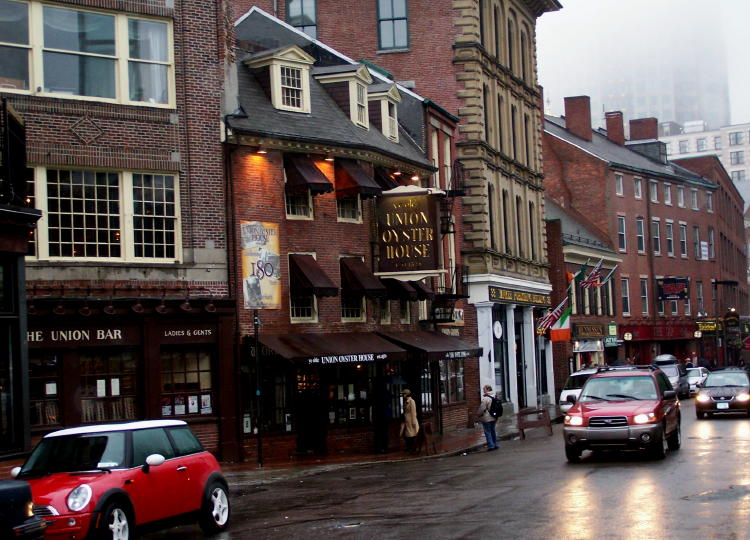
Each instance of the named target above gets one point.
<point>408,235</point>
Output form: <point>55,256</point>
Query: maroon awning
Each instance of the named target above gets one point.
<point>357,278</point>
<point>399,290</point>
<point>307,277</point>
<point>384,180</point>
<point>333,348</point>
<point>302,174</point>
<point>434,345</point>
<point>352,179</point>
<point>424,292</point>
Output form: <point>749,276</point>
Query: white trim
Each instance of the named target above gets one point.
<point>126,426</point>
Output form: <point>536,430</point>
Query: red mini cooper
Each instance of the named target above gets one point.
<point>104,481</point>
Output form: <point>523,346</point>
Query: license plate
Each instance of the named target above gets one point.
<point>722,405</point>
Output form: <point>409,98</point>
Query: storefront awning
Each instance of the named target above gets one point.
<point>356,278</point>
<point>424,292</point>
<point>399,290</point>
<point>307,277</point>
<point>383,180</point>
<point>352,179</point>
<point>302,174</point>
<point>333,348</point>
<point>434,345</point>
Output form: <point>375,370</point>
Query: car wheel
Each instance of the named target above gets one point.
<point>675,438</point>
<point>115,523</point>
<point>659,448</point>
<point>573,454</point>
<point>700,415</point>
<point>214,514</point>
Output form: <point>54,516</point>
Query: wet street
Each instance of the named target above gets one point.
<point>526,490</point>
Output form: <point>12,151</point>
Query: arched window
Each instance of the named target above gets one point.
<point>511,48</point>
<point>532,230</point>
<point>486,112</point>
<point>491,216</point>
<point>498,34</point>
<point>519,225</point>
<point>481,23</point>
<point>514,131</point>
<point>500,142</point>
<point>506,222</point>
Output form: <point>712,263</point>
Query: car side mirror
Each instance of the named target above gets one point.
<point>14,471</point>
<point>699,385</point>
<point>571,399</point>
<point>153,460</point>
<point>669,394</point>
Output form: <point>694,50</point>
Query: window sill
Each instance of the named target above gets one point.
<point>392,51</point>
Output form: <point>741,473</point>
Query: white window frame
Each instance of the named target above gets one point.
<point>644,295</point>
<point>404,311</point>
<point>359,105</point>
<point>699,295</point>
<point>711,244</point>
<point>709,202</point>
<point>686,305</point>
<point>653,187</point>
<point>315,314</point>
<point>622,238</point>
<point>669,236</point>
<point>668,194</point>
<point>656,238</point>
<point>362,310</point>
<point>309,217</point>
<point>694,198</point>
<point>293,58</point>
<point>640,235</point>
<point>683,240</point>
<point>127,248</point>
<point>342,219</point>
<point>681,196</point>
<point>121,57</point>
<point>625,295</point>
<point>619,185</point>
<point>638,187</point>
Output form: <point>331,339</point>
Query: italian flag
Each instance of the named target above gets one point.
<point>560,331</point>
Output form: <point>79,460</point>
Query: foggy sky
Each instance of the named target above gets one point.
<point>576,45</point>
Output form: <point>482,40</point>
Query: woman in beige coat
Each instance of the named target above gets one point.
<point>410,427</point>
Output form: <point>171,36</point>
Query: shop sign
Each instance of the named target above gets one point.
<point>261,272</point>
<point>673,288</point>
<point>347,358</point>
<point>588,331</point>
<point>188,334</point>
<point>407,233</point>
<point>663,331</point>
<point>456,316</point>
<point>708,326</point>
<point>611,341</point>
<point>91,335</point>
<point>510,296</point>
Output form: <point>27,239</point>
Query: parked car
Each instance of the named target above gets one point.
<point>628,408</point>
<point>696,376</point>
<point>662,359</point>
<point>724,391</point>
<point>678,377</point>
<point>17,519</point>
<point>573,386</point>
<point>108,480</point>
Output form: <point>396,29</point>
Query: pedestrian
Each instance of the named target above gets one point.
<point>410,425</point>
<point>488,421</point>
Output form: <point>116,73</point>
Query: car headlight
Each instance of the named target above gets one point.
<point>79,498</point>
<point>644,418</point>
<point>573,420</point>
<point>742,397</point>
<point>30,509</point>
<point>703,398</point>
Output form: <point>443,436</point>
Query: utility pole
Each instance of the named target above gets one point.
<point>259,401</point>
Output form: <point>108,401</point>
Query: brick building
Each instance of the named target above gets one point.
<point>344,199</point>
<point>129,314</point>
<point>477,59</point>
<point>677,226</point>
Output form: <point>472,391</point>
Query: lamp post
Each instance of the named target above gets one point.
<point>715,283</point>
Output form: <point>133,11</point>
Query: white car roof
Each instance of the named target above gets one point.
<point>586,371</point>
<point>125,426</point>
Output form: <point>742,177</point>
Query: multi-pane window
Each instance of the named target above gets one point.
<point>737,158</point>
<point>711,250</point>
<point>352,307</point>
<point>186,381</point>
<point>393,30</point>
<point>699,295</point>
<point>625,295</point>
<point>683,240</point>
<point>684,147</point>
<point>639,235</point>
<point>736,138</point>
<point>621,238</point>
<point>452,381</point>
<point>673,307</point>
<point>739,176</point>
<point>404,311</point>
<point>84,53</point>
<point>302,307</point>
<point>669,234</point>
<point>687,306</point>
<point>697,241</point>
<point>392,122</point>
<point>618,184</point>
<point>644,296</point>
<point>301,15</point>
<point>361,105</point>
<point>108,385</point>
<point>100,214</point>
<point>681,196</point>
<point>694,199</point>
<point>384,307</point>
<point>717,142</point>
<point>637,185</point>
<point>349,208</point>
<point>298,205</point>
<point>291,87</point>
<point>701,144</point>
<point>656,235</point>
<point>709,201</point>
<point>654,188</point>
<point>45,377</point>
<point>668,194</point>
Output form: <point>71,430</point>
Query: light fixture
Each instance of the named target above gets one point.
<point>59,309</point>
<point>185,306</point>
<point>397,173</point>
<point>84,310</point>
<point>210,307</point>
<point>261,150</point>
<point>109,309</point>
<point>329,156</point>
<point>697,334</point>
<point>415,178</point>
<point>137,307</point>
<point>31,310</point>
<point>161,308</point>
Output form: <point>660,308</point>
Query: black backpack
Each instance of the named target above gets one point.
<point>496,408</point>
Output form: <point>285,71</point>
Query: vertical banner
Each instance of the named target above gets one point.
<point>261,277</point>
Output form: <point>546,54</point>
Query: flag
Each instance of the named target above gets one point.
<point>560,331</point>
<point>550,318</point>
<point>609,276</point>
<point>569,276</point>
<point>593,278</point>
<point>581,273</point>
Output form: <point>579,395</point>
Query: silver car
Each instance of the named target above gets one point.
<point>696,376</point>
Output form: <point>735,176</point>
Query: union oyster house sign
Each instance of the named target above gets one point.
<point>408,235</point>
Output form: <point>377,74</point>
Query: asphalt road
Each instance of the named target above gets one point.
<point>526,490</point>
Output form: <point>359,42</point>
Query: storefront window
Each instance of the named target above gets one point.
<point>108,385</point>
<point>350,394</point>
<point>452,381</point>
<point>186,381</point>
<point>44,388</point>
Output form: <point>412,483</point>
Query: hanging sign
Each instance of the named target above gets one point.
<point>261,273</point>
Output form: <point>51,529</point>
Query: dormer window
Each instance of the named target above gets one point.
<point>361,104</point>
<point>347,85</point>
<point>286,74</point>
<point>392,131</point>
<point>384,110</point>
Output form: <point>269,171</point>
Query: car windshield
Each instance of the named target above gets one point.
<point>618,388</point>
<point>694,372</point>
<point>670,371</point>
<point>576,382</point>
<point>71,453</point>
<point>726,379</point>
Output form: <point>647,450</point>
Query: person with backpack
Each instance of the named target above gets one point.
<point>490,409</point>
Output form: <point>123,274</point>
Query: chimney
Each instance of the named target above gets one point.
<point>578,116</point>
<point>644,128</point>
<point>615,127</point>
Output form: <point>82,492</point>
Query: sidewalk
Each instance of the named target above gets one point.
<point>449,444</point>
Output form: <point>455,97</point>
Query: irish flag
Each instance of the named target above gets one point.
<point>560,331</point>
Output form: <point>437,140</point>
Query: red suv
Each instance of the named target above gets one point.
<point>630,407</point>
<point>103,481</point>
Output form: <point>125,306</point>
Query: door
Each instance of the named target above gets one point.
<point>520,362</point>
